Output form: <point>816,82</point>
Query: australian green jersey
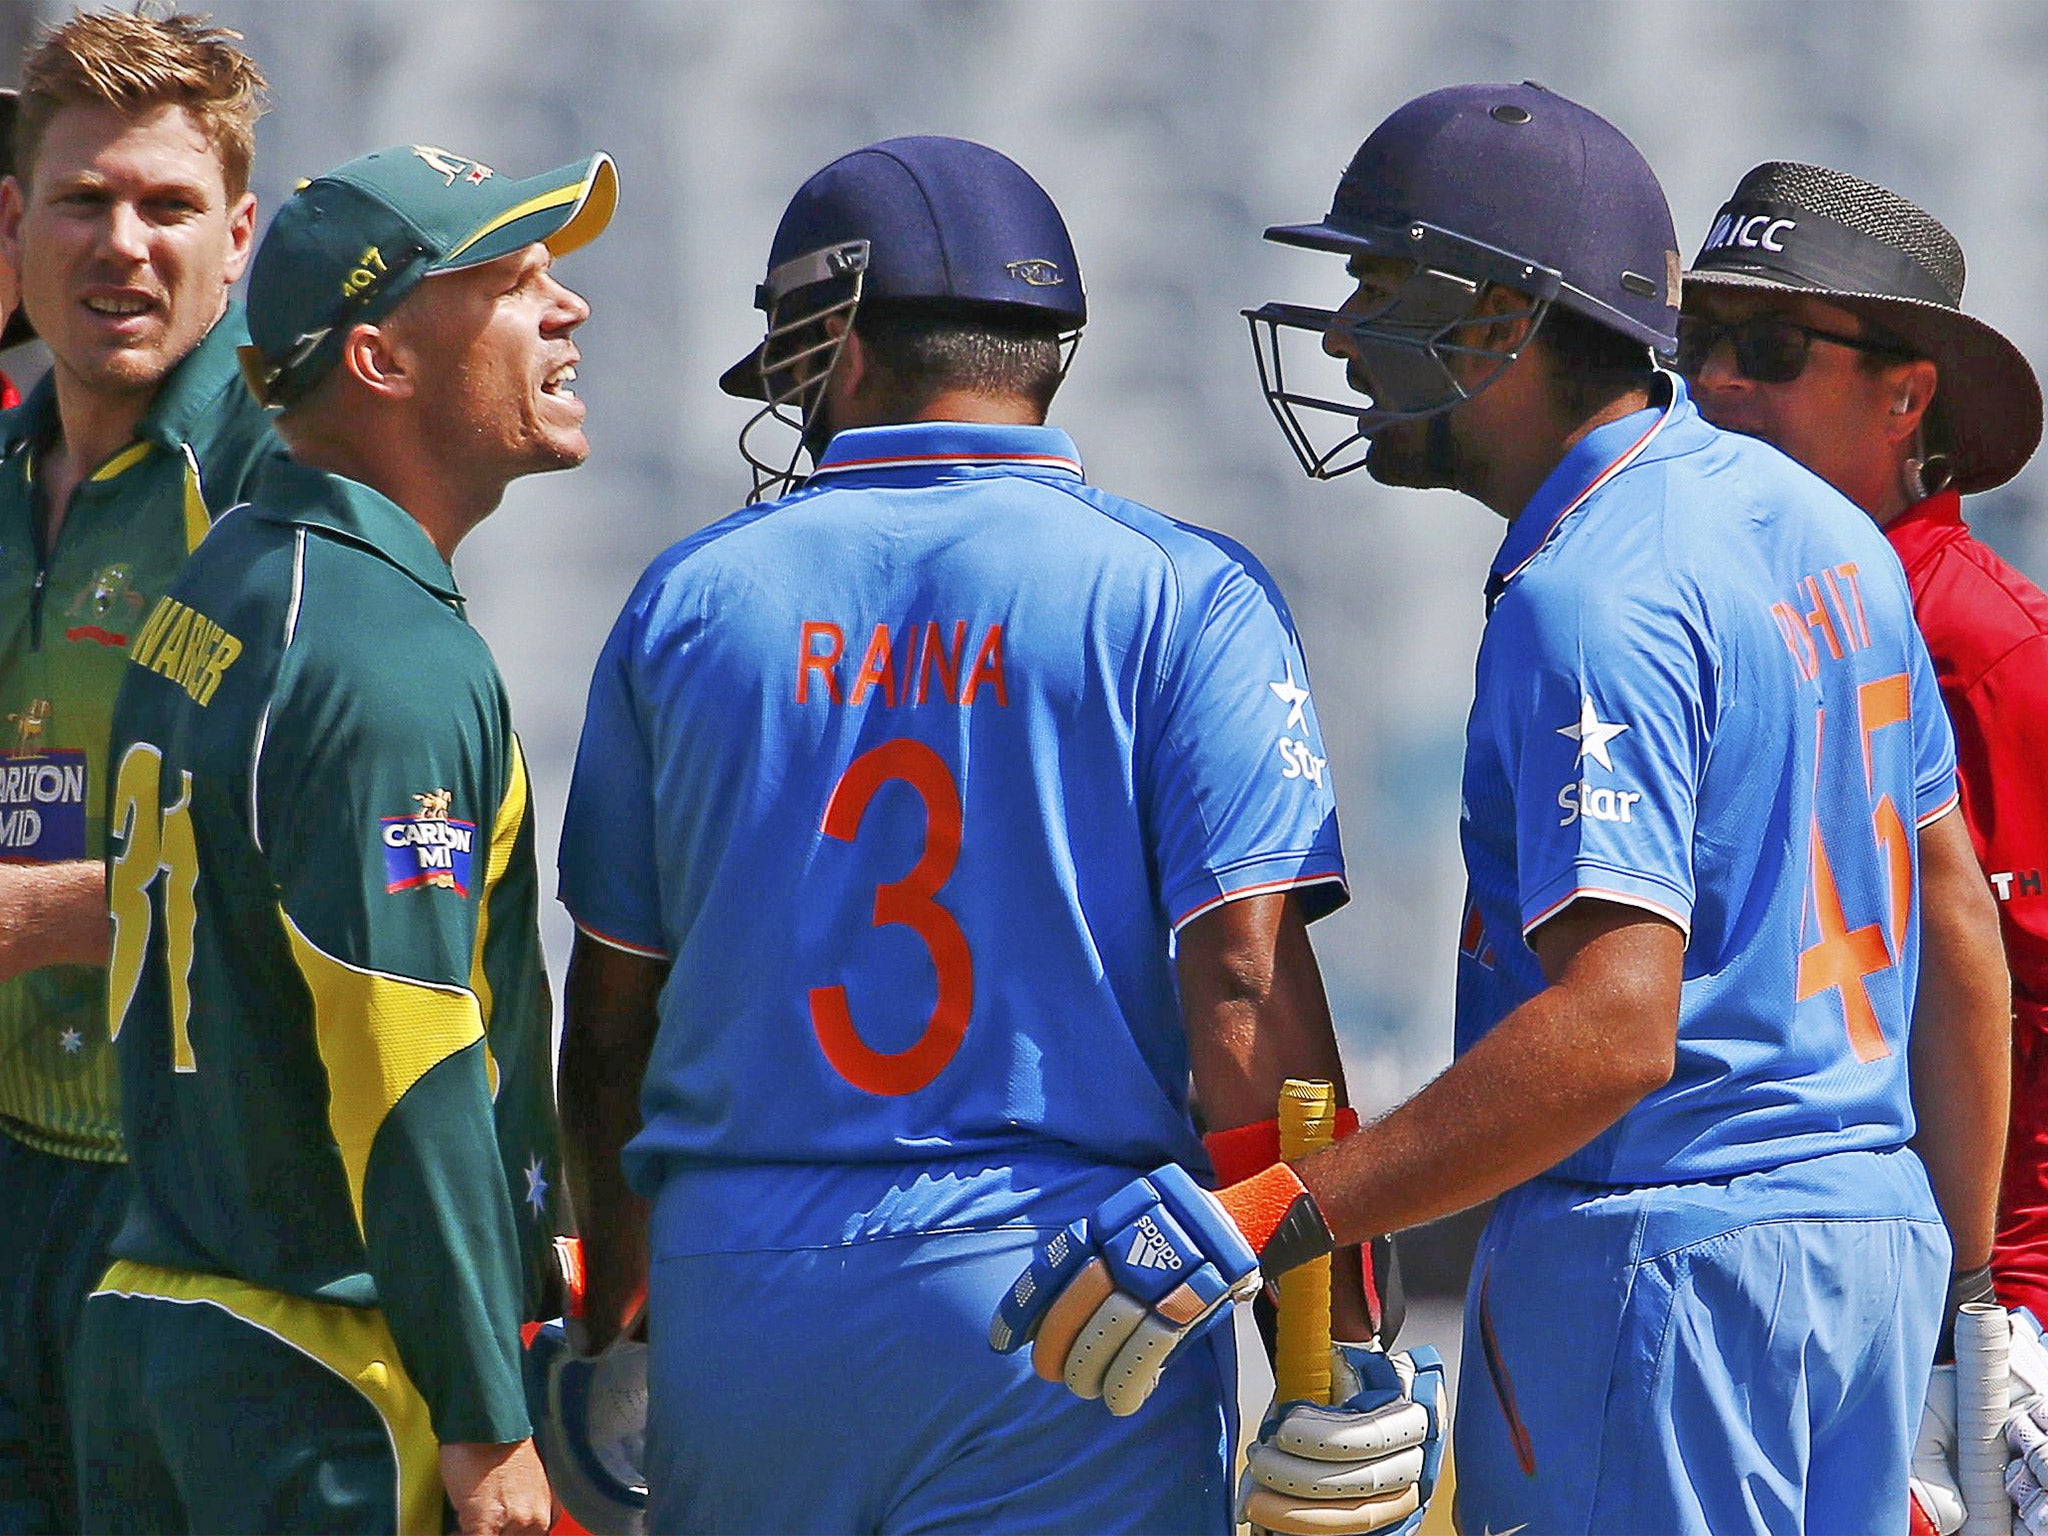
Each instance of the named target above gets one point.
<point>67,614</point>
<point>327,993</point>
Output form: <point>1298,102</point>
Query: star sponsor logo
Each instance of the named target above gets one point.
<point>1298,762</point>
<point>72,1041</point>
<point>1297,759</point>
<point>1592,733</point>
<point>1294,696</point>
<point>537,1185</point>
<point>1596,802</point>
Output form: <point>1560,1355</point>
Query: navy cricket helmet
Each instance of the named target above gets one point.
<point>923,220</point>
<point>1470,188</point>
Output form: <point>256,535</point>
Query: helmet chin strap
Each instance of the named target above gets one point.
<point>1440,452</point>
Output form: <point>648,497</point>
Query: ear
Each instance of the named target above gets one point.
<point>852,377</point>
<point>1909,387</point>
<point>13,204</point>
<point>241,237</point>
<point>1506,311</point>
<point>378,359</point>
<point>851,369</point>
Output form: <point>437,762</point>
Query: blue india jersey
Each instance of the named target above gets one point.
<point>1701,692</point>
<point>912,775</point>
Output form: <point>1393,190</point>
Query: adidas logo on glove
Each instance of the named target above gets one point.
<point>1150,1249</point>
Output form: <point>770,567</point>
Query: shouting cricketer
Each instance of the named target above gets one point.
<point>894,798</point>
<point>1713,862</point>
<point>128,220</point>
<point>1824,316</point>
<point>327,993</point>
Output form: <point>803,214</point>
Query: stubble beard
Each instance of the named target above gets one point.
<point>1412,455</point>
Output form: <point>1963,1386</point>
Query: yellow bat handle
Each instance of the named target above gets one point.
<point>1301,1365</point>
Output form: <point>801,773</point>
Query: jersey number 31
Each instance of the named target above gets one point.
<point>153,840</point>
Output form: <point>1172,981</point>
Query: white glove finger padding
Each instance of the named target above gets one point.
<point>2026,1358</point>
<point>2029,1442</point>
<point>1301,1478</point>
<point>1135,1371</point>
<point>1272,1511</point>
<point>1066,1317</point>
<point>2030,1503</point>
<point>1101,1337</point>
<point>1336,1434</point>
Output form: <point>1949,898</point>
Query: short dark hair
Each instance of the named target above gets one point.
<point>926,346</point>
<point>1593,364</point>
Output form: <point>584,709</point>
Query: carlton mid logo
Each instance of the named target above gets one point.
<point>429,849</point>
<point>42,807</point>
<point>1750,231</point>
<point>1038,272</point>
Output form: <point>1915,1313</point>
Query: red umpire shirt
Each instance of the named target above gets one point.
<point>1986,627</point>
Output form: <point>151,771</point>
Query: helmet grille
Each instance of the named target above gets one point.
<point>1865,207</point>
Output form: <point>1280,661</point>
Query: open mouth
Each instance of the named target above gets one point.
<point>118,307</point>
<point>558,382</point>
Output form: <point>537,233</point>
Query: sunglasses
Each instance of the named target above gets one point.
<point>1768,350</point>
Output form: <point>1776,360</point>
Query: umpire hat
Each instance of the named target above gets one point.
<point>1809,230</point>
<point>346,247</point>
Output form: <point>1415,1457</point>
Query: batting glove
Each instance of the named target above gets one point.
<point>589,1417</point>
<point>1935,1493</point>
<point>1106,1302</point>
<point>2026,1427</point>
<point>1368,1464</point>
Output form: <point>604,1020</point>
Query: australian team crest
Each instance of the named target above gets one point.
<point>429,849</point>
<point>108,604</point>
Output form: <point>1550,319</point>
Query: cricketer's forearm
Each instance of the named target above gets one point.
<point>1960,1056</point>
<point>611,1016</point>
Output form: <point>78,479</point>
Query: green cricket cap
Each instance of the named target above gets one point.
<point>346,247</point>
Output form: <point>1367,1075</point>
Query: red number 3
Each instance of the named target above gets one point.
<point>909,901</point>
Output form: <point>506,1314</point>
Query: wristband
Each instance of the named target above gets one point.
<point>1971,1285</point>
<point>1279,1218</point>
<point>1244,1150</point>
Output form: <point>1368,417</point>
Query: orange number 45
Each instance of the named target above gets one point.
<point>1844,957</point>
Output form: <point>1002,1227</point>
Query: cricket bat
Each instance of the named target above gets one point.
<point>1983,1377</point>
<point>1301,1352</point>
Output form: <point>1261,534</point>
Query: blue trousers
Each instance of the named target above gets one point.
<point>1740,1355</point>
<point>849,1386</point>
